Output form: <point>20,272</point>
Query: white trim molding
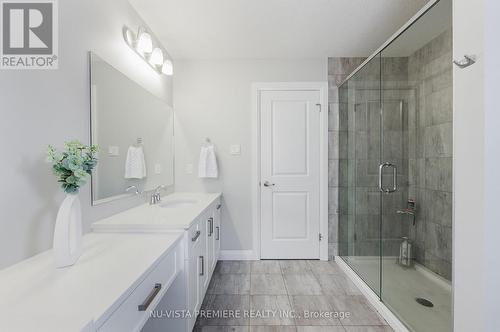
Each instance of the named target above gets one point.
<point>257,88</point>
<point>237,255</point>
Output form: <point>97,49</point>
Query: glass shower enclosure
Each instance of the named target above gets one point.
<point>396,120</point>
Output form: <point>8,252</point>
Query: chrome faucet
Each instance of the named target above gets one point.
<point>156,196</point>
<point>410,210</point>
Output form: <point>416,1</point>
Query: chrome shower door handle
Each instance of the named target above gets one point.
<point>394,177</point>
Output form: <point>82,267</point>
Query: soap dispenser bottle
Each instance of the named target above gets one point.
<point>405,252</point>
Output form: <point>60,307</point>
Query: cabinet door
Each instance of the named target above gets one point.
<point>208,254</point>
<point>216,235</point>
<point>195,240</point>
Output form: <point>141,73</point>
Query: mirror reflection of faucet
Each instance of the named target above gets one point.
<point>410,209</point>
<point>134,190</point>
<point>156,196</point>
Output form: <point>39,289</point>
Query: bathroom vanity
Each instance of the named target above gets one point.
<point>197,215</point>
<point>149,259</point>
<point>118,278</point>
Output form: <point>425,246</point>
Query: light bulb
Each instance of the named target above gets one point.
<point>144,43</point>
<point>156,58</point>
<point>129,36</point>
<point>167,68</point>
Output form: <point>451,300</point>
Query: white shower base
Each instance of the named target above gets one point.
<point>400,287</point>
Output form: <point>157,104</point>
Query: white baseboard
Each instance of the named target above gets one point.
<point>237,255</point>
<point>373,298</point>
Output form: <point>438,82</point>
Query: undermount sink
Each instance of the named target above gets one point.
<point>178,203</point>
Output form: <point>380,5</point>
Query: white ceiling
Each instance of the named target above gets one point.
<point>257,29</point>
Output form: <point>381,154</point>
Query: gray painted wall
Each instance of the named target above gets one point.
<point>213,98</point>
<point>42,107</point>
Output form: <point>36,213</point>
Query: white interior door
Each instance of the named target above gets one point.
<point>290,174</point>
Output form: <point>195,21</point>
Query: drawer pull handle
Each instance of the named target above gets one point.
<point>196,236</point>
<point>150,298</point>
<point>202,260</point>
<point>218,233</point>
<point>210,226</point>
<point>219,206</point>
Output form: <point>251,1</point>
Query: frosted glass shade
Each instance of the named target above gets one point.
<point>156,58</point>
<point>168,68</point>
<point>129,36</point>
<point>144,43</point>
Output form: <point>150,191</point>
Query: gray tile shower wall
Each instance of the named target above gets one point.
<point>338,70</point>
<point>430,74</point>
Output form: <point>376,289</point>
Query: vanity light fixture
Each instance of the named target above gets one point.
<point>142,44</point>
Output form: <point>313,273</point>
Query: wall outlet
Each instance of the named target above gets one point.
<point>235,149</point>
<point>157,168</point>
<point>189,168</point>
<point>113,150</point>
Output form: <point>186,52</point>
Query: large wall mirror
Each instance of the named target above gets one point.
<point>134,131</point>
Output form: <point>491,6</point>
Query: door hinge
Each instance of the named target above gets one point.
<point>319,107</point>
<point>320,237</point>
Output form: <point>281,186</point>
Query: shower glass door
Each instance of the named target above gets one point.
<point>395,160</point>
<point>417,116</point>
<point>359,157</point>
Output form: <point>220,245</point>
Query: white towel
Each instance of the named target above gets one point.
<point>207,167</point>
<point>135,165</point>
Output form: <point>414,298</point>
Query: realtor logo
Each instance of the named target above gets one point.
<point>29,34</point>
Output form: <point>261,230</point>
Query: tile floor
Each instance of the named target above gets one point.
<point>272,296</point>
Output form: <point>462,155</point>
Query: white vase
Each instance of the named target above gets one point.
<point>68,232</point>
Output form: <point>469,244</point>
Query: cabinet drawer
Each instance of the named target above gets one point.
<point>128,317</point>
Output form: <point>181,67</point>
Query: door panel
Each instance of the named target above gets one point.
<point>290,143</point>
<point>290,215</point>
<point>289,129</point>
<point>360,222</point>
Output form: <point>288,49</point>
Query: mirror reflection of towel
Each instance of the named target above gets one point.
<point>207,167</point>
<point>135,165</point>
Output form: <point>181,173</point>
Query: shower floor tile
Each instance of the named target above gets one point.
<point>401,286</point>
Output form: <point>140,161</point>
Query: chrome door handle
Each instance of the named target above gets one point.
<point>380,170</point>
<point>269,184</point>
<point>210,226</point>
<point>150,298</point>
<point>202,260</point>
<point>217,237</point>
<point>196,236</point>
<point>394,178</point>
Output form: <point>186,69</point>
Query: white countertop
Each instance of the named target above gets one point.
<point>35,296</point>
<point>156,218</point>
